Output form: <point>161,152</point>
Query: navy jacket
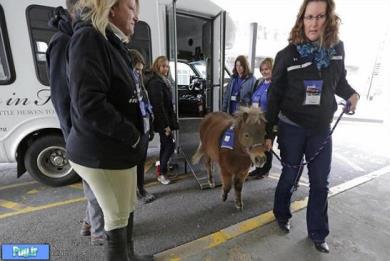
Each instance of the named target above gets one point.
<point>287,92</point>
<point>245,92</point>
<point>106,115</point>
<point>56,62</point>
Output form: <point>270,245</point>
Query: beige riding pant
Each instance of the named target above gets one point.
<point>115,191</point>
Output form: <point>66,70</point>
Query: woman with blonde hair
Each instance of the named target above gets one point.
<point>239,89</point>
<point>107,119</point>
<point>306,76</point>
<point>165,121</point>
<point>259,99</point>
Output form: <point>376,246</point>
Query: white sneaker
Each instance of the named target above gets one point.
<point>163,180</point>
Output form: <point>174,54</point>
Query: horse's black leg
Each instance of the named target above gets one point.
<point>238,181</point>
<point>208,163</point>
<point>226,184</point>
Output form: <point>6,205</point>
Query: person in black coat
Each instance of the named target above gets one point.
<point>165,119</point>
<point>56,62</point>
<point>93,223</point>
<point>138,63</point>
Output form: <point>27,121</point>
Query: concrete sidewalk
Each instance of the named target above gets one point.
<point>359,214</point>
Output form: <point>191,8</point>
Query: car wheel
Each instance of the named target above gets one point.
<point>46,161</point>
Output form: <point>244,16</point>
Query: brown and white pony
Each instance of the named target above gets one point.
<point>249,131</point>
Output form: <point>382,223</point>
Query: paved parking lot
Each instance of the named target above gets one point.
<point>31,212</point>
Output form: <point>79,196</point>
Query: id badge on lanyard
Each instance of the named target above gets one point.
<point>236,91</point>
<point>142,107</point>
<point>313,92</point>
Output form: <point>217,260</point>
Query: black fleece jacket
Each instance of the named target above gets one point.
<point>56,62</point>
<point>287,91</point>
<point>160,95</point>
<point>106,116</point>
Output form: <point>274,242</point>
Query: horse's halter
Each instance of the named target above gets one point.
<point>249,148</point>
<point>255,146</point>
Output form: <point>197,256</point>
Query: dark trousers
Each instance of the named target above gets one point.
<point>294,142</point>
<point>268,164</point>
<point>143,143</point>
<point>167,147</point>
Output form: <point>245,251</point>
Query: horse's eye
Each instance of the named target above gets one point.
<point>246,135</point>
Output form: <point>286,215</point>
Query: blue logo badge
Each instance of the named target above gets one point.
<point>227,141</point>
<point>25,252</point>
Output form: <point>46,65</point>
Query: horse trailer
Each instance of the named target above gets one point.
<point>190,33</point>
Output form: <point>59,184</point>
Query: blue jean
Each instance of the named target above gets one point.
<point>93,212</point>
<point>143,143</point>
<point>294,142</point>
<point>167,147</point>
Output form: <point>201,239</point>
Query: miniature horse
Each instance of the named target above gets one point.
<point>249,131</point>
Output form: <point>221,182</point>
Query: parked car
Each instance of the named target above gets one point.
<point>191,83</point>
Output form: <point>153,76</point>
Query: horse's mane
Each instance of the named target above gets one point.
<point>251,115</point>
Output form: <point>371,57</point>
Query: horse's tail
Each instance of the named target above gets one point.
<point>198,154</point>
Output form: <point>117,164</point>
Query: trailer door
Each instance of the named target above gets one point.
<point>218,74</point>
<point>195,41</point>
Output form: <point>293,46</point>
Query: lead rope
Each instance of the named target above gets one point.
<point>300,166</point>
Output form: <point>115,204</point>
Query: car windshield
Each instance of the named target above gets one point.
<point>200,68</point>
<point>184,72</point>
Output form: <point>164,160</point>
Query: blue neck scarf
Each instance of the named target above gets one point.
<point>320,55</point>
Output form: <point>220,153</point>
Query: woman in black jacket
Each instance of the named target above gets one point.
<point>306,76</point>
<point>165,120</point>
<point>107,121</point>
<point>138,64</point>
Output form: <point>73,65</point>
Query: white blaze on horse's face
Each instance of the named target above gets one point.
<point>258,157</point>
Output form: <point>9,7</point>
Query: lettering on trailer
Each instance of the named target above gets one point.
<point>13,105</point>
<point>43,96</point>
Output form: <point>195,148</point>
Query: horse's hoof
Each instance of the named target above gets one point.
<point>239,206</point>
<point>212,184</point>
<point>224,197</point>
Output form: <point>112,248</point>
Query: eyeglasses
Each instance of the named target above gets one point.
<point>310,18</point>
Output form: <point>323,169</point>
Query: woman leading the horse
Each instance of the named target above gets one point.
<point>306,76</point>
<point>238,91</point>
<point>260,100</point>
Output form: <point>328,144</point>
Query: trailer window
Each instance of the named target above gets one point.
<point>142,41</point>
<point>40,33</point>
<point>7,71</point>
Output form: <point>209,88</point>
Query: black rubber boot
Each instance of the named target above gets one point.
<point>115,248</point>
<point>130,243</point>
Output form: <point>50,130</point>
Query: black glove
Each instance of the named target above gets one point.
<point>151,135</point>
